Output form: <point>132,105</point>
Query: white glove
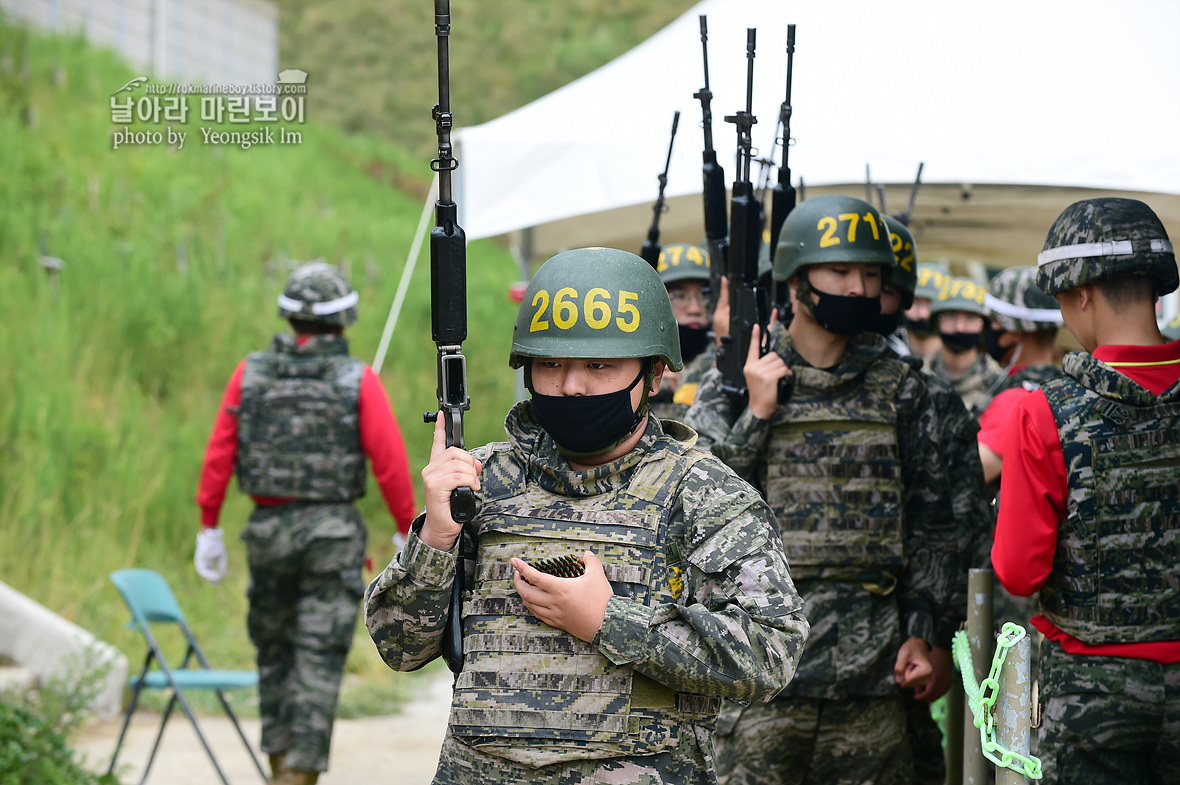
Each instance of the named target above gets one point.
<point>211,560</point>
<point>399,541</point>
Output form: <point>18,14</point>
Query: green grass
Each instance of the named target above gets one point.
<point>374,62</point>
<point>113,369</point>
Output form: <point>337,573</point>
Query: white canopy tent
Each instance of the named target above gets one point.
<point>1050,92</point>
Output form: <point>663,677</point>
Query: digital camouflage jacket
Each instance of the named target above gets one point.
<point>974,385</point>
<point>703,606</point>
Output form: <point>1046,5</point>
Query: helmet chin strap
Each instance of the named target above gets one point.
<point>1015,357</point>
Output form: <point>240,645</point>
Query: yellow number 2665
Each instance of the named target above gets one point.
<point>596,310</point>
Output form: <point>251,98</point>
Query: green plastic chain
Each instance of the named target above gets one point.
<point>982,699</point>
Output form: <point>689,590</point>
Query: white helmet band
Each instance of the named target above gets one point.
<point>320,309</point>
<point>1115,248</point>
<point>996,305</point>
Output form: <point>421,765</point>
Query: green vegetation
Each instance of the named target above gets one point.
<point>113,368</point>
<point>372,64</point>
<point>35,731</point>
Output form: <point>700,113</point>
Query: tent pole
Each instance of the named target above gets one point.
<point>407,274</point>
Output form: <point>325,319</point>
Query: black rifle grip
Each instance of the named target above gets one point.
<point>463,505</point>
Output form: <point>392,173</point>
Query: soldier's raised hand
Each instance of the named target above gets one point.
<point>449,468</point>
<point>762,373</point>
<point>576,605</point>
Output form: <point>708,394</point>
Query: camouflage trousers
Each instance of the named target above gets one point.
<point>925,742</point>
<point>306,583</point>
<point>811,741</point>
<point>1108,719</point>
<point>688,763</point>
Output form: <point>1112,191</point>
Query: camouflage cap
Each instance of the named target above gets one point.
<point>1014,301</point>
<point>319,292</point>
<point>1097,239</point>
<point>930,279</point>
<point>683,262</point>
<point>959,294</point>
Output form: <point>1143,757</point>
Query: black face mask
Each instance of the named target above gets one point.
<point>884,324</point>
<point>919,328</point>
<point>693,341</point>
<point>588,425</point>
<point>845,315</point>
<point>960,343</point>
<point>991,340</point>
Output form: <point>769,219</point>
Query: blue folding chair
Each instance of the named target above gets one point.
<point>150,599</point>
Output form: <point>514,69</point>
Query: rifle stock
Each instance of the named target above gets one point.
<point>448,318</point>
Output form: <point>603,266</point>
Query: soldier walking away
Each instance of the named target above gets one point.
<point>684,269</point>
<point>1089,509</point>
<point>1022,327</point>
<point>678,592</point>
<point>296,424</point>
<point>849,463</point>
<point>957,314</point>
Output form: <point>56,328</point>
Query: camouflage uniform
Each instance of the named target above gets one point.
<point>1113,578</point>
<point>305,556</point>
<point>1113,575</point>
<point>668,405</point>
<point>974,386</point>
<point>856,564</point>
<point>974,519</point>
<point>703,608</point>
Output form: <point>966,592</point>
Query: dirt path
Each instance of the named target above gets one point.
<point>399,750</point>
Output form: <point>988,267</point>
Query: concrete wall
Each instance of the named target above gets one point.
<point>48,646</point>
<point>187,41</point>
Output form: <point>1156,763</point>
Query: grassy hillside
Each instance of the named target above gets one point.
<point>375,61</point>
<point>112,369</point>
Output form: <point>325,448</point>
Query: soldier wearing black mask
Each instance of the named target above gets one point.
<point>957,312</point>
<point>684,269</point>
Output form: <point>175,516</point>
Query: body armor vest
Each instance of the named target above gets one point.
<point>298,425</point>
<point>538,695</point>
<point>833,471</point>
<point>1114,570</point>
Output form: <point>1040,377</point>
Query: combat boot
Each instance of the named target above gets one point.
<point>276,767</point>
<point>292,777</point>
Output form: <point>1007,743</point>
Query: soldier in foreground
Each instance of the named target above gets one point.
<point>957,312</point>
<point>679,592</point>
<point>849,464</point>
<point>296,423</point>
<point>684,269</point>
<point>1089,509</point>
